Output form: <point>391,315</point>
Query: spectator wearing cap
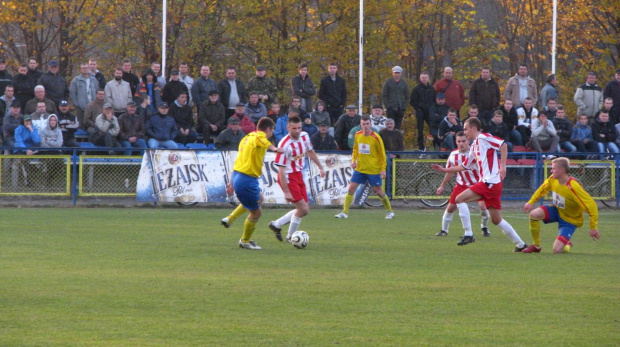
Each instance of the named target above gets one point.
<point>232,91</point>
<point>55,84</point>
<point>392,139</point>
<point>322,140</point>
<point>68,124</point>
<point>162,129</point>
<point>345,123</point>
<point>377,119</point>
<point>452,89</point>
<point>83,90</point>
<point>184,117</point>
<point>230,138</point>
<point>333,91</point>
<point>106,129</point>
<point>5,77</point>
<point>40,95</point>
<point>254,109</point>
<point>174,88</point>
<point>612,90</point>
<point>93,109</point>
<point>437,113</point>
<point>10,122</point>
<point>303,87</point>
<point>118,92</point>
<point>202,86</point>
<point>245,122</point>
<point>264,86</point>
<point>395,96</point>
<point>307,125</point>
<point>132,129</point>
<point>26,136</point>
<point>211,117</point>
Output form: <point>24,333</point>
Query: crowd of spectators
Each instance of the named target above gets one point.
<point>128,113</point>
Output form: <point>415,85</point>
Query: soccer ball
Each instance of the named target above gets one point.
<point>300,239</point>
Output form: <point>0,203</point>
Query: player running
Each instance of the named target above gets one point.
<point>248,167</point>
<point>464,179</point>
<point>569,202</point>
<point>290,165</point>
<point>369,161</point>
<point>483,153</point>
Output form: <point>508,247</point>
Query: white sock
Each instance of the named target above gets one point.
<point>509,231</point>
<point>447,219</point>
<point>292,228</point>
<point>284,220</point>
<point>484,218</point>
<point>465,218</point>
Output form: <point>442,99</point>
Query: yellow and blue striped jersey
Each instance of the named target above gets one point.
<point>252,150</point>
<point>570,199</point>
<point>369,152</point>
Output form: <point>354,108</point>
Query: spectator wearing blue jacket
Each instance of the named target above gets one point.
<point>254,109</point>
<point>582,136</point>
<point>162,129</point>
<point>26,136</point>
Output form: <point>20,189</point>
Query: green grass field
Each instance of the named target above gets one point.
<point>175,277</point>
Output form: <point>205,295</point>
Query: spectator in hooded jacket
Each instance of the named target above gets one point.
<point>149,86</point>
<point>51,135</point>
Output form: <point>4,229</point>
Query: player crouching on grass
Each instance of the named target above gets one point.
<point>369,162</point>
<point>290,165</point>
<point>464,179</point>
<point>569,202</point>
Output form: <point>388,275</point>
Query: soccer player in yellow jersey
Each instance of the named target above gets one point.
<point>248,167</point>
<point>569,202</point>
<point>369,162</point>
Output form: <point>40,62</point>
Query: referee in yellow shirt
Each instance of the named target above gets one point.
<point>570,200</point>
<point>369,162</point>
<point>248,167</point>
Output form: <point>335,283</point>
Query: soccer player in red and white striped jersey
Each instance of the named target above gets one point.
<point>464,180</point>
<point>290,165</point>
<point>483,154</point>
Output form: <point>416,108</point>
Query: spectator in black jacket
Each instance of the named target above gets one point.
<point>448,128</point>
<point>129,77</point>
<point>173,88</point>
<point>474,112</point>
<point>485,94</point>
<point>56,88</point>
<point>24,86</point>
<point>232,91</point>
<point>498,128</point>
<point>302,86</point>
<point>604,133</point>
<point>392,138</point>
<point>322,140</point>
<point>564,129</point>
<point>5,77</point>
<point>422,98</point>
<point>92,65</point>
<point>345,123</point>
<point>333,91</point>
<point>184,119</point>
<point>437,113</point>
<point>512,121</point>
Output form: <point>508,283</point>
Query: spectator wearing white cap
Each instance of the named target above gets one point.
<point>395,96</point>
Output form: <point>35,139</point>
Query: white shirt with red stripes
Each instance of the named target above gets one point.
<point>483,152</point>
<point>294,152</point>
<point>465,178</point>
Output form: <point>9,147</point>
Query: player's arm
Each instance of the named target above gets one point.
<point>382,156</point>
<point>355,154</point>
<point>539,193</point>
<point>453,169</point>
<point>589,205</point>
<point>284,183</point>
<point>448,176</point>
<point>275,149</point>
<point>503,150</point>
<point>312,155</point>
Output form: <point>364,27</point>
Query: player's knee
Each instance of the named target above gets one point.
<point>496,219</point>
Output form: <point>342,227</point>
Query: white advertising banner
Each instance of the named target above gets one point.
<point>202,176</point>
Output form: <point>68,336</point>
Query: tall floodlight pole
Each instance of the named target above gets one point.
<point>555,32</point>
<point>360,97</point>
<point>163,39</point>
